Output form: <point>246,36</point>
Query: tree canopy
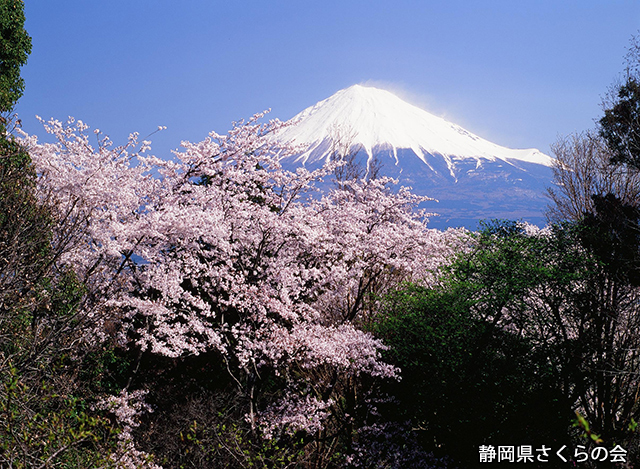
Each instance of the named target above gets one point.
<point>15,47</point>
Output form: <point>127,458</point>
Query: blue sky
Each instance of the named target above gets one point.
<point>517,72</point>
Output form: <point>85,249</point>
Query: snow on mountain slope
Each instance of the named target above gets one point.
<point>376,120</point>
<point>472,178</point>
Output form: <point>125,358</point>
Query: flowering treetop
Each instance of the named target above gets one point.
<point>220,249</point>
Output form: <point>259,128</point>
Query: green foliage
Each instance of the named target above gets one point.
<point>582,423</point>
<point>496,352</point>
<point>15,47</point>
<point>619,126</point>
<point>40,427</point>
<point>230,445</point>
<point>26,277</point>
<point>523,330</point>
<point>498,272</point>
<point>612,234</point>
<point>463,384</point>
<point>423,324</point>
<point>25,232</point>
<point>46,419</point>
<point>105,369</point>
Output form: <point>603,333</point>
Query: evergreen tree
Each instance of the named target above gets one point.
<point>15,47</point>
<point>620,126</point>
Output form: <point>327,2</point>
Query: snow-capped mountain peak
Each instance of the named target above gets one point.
<point>375,119</point>
<point>471,177</point>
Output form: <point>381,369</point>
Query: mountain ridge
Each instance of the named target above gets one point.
<point>435,157</point>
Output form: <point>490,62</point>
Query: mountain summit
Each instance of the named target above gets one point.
<point>472,177</point>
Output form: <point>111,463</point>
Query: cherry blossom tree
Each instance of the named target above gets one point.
<point>221,250</point>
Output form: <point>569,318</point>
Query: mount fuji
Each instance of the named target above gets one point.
<point>472,178</point>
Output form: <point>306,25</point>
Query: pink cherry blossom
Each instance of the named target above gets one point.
<point>220,249</point>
